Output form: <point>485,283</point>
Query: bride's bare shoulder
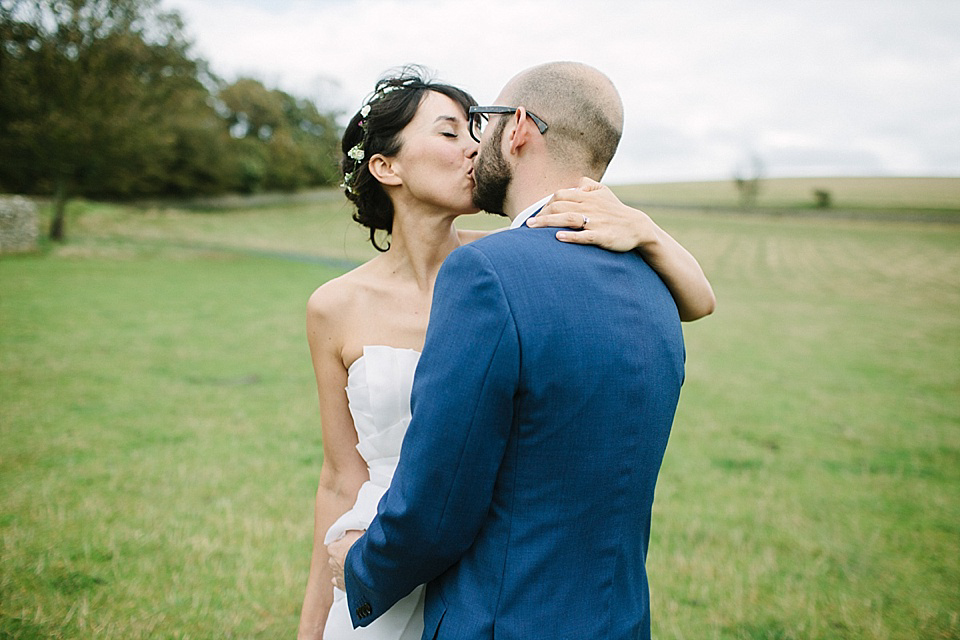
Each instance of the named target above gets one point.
<point>334,299</point>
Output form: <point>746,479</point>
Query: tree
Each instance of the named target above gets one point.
<point>100,97</point>
<point>748,182</point>
<point>282,142</point>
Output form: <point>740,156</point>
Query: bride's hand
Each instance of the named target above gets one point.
<point>594,215</point>
<point>337,551</point>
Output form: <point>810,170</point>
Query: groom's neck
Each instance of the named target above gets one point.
<point>526,190</point>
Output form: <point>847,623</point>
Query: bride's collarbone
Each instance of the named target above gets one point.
<point>392,323</point>
<point>386,275</point>
<point>399,298</point>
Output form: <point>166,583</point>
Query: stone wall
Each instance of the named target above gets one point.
<point>18,224</point>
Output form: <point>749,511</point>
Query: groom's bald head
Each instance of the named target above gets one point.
<point>581,107</point>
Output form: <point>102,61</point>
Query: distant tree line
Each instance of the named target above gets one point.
<point>102,98</point>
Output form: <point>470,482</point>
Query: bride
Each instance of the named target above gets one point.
<point>408,168</point>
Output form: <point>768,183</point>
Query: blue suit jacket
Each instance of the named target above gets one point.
<point>542,405</point>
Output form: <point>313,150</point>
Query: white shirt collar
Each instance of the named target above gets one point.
<point>528,212</point>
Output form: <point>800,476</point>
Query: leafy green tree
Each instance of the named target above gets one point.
<point>100,97</point>
<point>282,142</point>
<point>317,136</point>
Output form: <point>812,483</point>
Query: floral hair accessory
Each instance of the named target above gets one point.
<point>347,179</point>
<point>356,153</point>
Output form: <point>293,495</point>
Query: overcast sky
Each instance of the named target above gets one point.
<point>846,87</point>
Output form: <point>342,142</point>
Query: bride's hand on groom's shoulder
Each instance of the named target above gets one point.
<point>337,552</point>
<point>592,214</point>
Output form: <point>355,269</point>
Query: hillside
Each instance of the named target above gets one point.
<point>881,194</point>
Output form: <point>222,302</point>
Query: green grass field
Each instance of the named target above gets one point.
<point>160,444</point>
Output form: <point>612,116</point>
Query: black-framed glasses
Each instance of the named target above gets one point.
<point>477,118</point>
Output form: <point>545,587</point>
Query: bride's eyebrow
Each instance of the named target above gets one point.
<point>452,119</point>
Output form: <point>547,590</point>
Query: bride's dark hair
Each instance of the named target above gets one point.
<point>374,129</point>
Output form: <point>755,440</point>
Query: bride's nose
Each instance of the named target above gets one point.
<point>473,149</point>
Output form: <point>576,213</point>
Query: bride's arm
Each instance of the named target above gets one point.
<point>343,470</point>
<point>617,227</point>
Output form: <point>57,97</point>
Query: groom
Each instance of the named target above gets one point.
<point>541,406</point>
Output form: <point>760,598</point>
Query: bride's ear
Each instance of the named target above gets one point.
<point>382,168</point>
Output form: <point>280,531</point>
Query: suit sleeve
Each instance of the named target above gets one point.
<point>462,412</point>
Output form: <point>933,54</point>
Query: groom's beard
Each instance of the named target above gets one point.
<point>492,175</point>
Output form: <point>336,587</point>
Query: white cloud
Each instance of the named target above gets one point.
<point>817,87</point>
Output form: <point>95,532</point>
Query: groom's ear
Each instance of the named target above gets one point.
<point>383,170</point>
<point>520,134</point>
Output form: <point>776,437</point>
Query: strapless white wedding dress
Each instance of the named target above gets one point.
<point>378,389</point>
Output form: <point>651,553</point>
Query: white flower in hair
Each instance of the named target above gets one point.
<point>357,152</point>
<point>365,111</point>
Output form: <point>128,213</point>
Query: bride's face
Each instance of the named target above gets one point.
<point>435,162</point>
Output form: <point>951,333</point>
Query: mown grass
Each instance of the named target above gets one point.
<point>160,443</point>
<point>160,446</point>
<point>810,488</point>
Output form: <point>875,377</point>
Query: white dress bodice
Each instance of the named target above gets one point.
<point>378,390</point>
